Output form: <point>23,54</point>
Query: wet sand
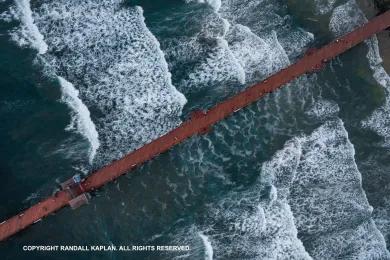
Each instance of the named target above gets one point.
<point>370,9</point>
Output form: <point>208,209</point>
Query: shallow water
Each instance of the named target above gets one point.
<point>301,174</point>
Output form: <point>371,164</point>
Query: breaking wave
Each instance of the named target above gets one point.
<point>345,18</point>
<point>323,109</point>
<point>105,49</point>
<point>318,177</point>
<point>307,203</point>
<point>215,4</point>
<point>229,51</point>
<point>379,121</point>
<point>81,120</point>
<point>244,225</point>
<point>27,34</point>
<point>208,247</point>
<point>324,6</point>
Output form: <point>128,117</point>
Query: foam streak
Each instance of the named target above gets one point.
<point>28,33</point>
<point>81,118</point>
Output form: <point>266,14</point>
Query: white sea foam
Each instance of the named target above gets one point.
<point>254,229</point>
<point>32,196</point>
<point>319,178</point>
<point>239,55</point>
<point>323,109</point>
<point>258,15</point>
<point>224,45</point>
<point>382,217</point>
<point>258,57</point>
<point>106,50</point>
<point>379,121</point>
<point>350,16</point>
<point>27,35</point>
<point>219,67</point>
<point>81,118</point>
<point>244,226</point>
<point>264,16</point>
<point>324,6</point>
<point>344,19</point>
<point>296,42</point>
<point>215,4</point>
<point>208,247</point>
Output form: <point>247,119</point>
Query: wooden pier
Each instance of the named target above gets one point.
<point>199,123</point>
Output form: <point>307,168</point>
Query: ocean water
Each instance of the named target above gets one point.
<point>301,174</point>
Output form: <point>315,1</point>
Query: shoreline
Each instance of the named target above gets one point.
<point>371,10</point>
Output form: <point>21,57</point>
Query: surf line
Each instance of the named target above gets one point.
<point>200,123</point>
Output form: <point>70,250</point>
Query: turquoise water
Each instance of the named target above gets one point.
<point>298,175</point>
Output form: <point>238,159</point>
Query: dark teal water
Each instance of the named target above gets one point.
<point>215,186</point>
